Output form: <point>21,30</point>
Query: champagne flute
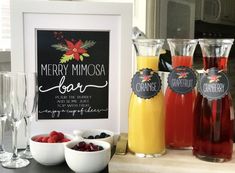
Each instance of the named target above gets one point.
<point>15,90</point>
<point>29,109</point>
<point>3,154</point>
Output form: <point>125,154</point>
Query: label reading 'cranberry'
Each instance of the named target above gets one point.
<point>214,84</point>
<point>146,83</point>
<point>182,80</point>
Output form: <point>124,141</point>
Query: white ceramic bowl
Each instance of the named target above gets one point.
<point>87,162</point>
<point>85,133</point>
<point>48,153</point>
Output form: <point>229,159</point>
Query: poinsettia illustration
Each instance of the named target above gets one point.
<point>73,51</point>
<point>213,78</point>
<point>182,75</point>
<point>146,77</point>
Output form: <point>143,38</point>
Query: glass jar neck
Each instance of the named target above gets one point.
<point>219,62</point>
<point>182,51</point>
<point>215,52</point>
<point>186,61</point>
<point>150,62</point>
<point>148,51</point>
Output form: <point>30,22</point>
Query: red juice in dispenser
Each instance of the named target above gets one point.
<point>180,95</point>
<point>213,130</point>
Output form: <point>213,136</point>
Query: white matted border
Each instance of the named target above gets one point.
<point>27,16</point>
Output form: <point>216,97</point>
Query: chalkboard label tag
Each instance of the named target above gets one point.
<point>146,83</point>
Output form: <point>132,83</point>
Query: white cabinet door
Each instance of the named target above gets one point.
<point>139,16</point>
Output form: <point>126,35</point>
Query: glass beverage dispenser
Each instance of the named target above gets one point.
<point>146,137</point>
<point>213,130</point>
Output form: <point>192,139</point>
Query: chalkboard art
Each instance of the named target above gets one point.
<point>73,74</point>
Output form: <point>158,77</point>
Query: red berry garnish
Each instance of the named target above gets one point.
<point>54,137</point>
<point>53,133</point>
<point>45,139</point>
<point>87,146</point>
<point>83,146</point>
<point>60,136</point>
<point>51,140</point>
<point>39,139</point>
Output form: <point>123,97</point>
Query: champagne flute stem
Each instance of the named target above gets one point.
<point>14,141</point>
<point>28,132</point>
<point>3,121</point>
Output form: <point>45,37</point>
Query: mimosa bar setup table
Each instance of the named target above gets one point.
<point>88,92</point>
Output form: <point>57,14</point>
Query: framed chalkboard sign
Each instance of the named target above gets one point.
<point>73,74</point>
<point>83,56</point>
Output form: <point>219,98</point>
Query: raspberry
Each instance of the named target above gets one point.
<point>51,140</point>
<point>38,139</point>
<point>45,139</point>
<point>55,138</point>
<point>60,136</point>
<point>53,133</point>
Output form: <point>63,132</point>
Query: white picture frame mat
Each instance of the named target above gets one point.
<point>110,23</point>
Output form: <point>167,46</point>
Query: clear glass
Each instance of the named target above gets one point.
<point>3,154</point>
<point>213,130</point>
<point>146,116</point>
<point>31,101</point>
<point>179,107</point>
<point>15,84</point>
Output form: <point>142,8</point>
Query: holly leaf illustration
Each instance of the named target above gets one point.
<point>65,58</point>
<point>88,44</point>
<point>81,57</point>
<point>85,54</point>
<point>60,47</point>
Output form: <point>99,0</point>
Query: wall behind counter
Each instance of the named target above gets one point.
<point>5,61</point>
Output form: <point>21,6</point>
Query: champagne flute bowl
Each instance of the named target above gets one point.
<point>3,117</point>
<point>15,84</point>
<point>30,108</point>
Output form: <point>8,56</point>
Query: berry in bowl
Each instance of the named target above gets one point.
<point>98,134</point>
<point>48,149</point>
<point>89,147</point>
<point>79,155</point>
